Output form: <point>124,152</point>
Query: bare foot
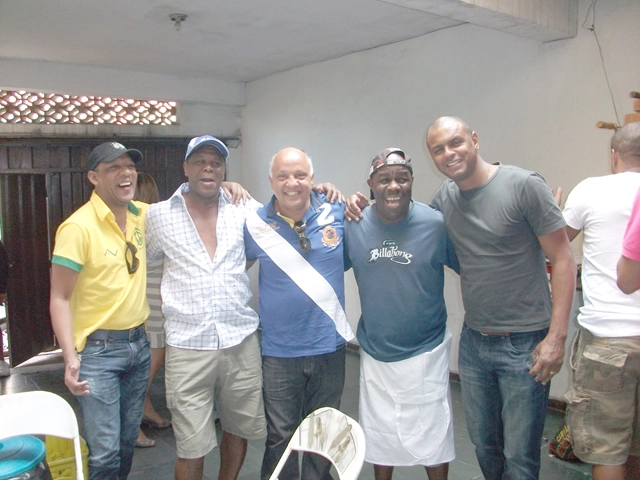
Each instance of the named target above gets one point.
<point>143,441</point>
<point>151,417</point>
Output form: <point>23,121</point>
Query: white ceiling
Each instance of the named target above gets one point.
<point>242,40</point>
<point>232,40</point>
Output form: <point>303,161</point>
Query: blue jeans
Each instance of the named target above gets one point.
<point>293,388</point>
<point>117,372</point>
<point>504,406</point>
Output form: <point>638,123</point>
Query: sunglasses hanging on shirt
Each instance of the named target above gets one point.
<point>303,241</point>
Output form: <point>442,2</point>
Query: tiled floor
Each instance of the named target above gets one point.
<point>157,463</point>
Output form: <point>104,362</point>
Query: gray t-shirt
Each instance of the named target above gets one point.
<point>494,229</point>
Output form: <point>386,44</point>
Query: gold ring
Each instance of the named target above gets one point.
<point>552,373</point>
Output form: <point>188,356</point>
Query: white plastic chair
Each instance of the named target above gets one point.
<point>332,434</point>
<point>40,413</point>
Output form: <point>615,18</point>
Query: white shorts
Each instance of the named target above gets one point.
<point>405,408</point>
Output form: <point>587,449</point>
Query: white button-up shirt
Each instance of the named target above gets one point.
<point>205,301</point>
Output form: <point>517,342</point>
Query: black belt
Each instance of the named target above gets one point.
<point>118,335</point>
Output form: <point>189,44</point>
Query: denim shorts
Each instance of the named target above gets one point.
<point>603,409</point>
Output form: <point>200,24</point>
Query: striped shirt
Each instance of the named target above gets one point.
<point>205,301</point>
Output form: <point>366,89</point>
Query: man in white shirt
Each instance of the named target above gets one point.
<point>603,399</point>
<point>213,351</point>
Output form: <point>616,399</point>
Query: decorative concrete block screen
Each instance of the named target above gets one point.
<point>50,108</point>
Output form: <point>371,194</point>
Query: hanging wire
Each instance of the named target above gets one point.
<point>592,12</point>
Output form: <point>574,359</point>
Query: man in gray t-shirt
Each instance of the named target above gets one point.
<point>503,221</point>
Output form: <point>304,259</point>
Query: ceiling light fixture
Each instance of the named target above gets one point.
<point>177,19</point>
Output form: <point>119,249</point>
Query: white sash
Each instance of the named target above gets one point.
<point>291,262</point>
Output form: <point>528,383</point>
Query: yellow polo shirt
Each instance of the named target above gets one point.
<point>105,296</point>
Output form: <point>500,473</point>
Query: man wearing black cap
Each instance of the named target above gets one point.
<point>398,252</point>
<point>98,308</point>
<point>212,346</point>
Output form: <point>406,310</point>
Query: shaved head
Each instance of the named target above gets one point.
<point>285,152</point>
<point>447,120</point>
<point>626,141</point>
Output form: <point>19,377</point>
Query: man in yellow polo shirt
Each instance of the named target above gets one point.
<point>98,309</point>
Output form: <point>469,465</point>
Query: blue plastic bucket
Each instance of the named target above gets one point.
<point>22,458</point>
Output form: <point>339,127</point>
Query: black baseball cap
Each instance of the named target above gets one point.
<point>107,152</point>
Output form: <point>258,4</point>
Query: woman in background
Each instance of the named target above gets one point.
<point>147,191</point>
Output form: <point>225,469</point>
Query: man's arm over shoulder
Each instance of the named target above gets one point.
<point>563,284</point>
<point>235,192</point>
<point>330,191</point>
<point>354,206</point>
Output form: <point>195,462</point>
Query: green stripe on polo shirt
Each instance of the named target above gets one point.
<point>65,262</point>
<point>133,209</point>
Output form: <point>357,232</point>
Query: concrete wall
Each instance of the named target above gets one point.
<point>534,105</point>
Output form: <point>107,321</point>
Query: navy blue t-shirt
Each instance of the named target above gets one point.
<point>399,269</point>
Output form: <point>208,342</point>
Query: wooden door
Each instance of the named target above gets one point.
<point>25,235</point>
<point>42,182</point>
